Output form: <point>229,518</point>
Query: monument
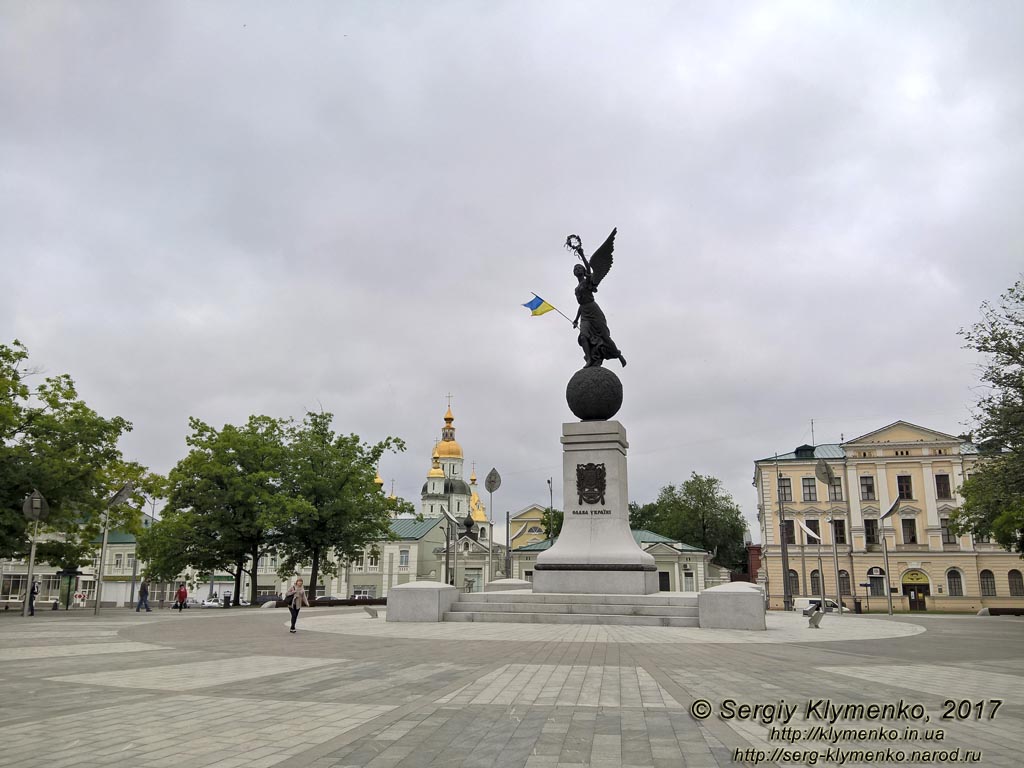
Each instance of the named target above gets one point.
<point>595,552</point>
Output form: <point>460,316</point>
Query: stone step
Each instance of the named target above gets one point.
<point>659,598</point>
<point>605,609</point>
<point>573,618</point>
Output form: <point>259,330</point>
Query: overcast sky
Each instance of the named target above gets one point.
<point>216,210</point>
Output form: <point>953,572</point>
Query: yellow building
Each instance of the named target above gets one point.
<point>527,526</point>
<point>931,568</point>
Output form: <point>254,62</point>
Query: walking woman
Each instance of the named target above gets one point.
<point>296,598</point>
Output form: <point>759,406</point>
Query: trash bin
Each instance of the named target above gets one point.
<point>227,601</point>
<point>857,607</point>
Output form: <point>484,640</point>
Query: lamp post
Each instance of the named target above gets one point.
<point>787,596</point>
<point>825,474</point>
<point>35,509</point>
<point>492,483</point>
<point>885,552</point>
<point>118,498</point>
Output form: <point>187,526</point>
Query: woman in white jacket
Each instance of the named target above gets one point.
<point>296,598</point>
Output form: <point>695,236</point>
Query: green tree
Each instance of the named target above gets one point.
<point>552,520</point>
<point>644,516</point>
<point>229,492</point>
<point>700,512</point>
<point>994,493</point>
<point>52,441</point>
<point>337,508</point>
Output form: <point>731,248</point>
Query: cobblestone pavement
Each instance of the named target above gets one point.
<point>232,688</point>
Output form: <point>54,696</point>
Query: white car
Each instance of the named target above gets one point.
<point>213,602</point>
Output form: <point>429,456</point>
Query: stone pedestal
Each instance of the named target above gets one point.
<point>595,552</point>
<point>420,601</point>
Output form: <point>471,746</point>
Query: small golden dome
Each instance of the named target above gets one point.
<point>476,509</point>
<point>379,480</point>
<point>435,469</point>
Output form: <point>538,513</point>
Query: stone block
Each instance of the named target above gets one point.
<point>424,601</point>
<point>507,585</point>
<point>738,605</point>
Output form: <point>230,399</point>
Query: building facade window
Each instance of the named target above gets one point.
<point>904,486</point>
<point>403,558</point>
<point>794,583</point>
<point>942,487</point>
<point>877,586</point>
<point>118,561</point>
<point>955,584</point>
<point>810,488</point>
<point>867,489</point>
<point>788,534</point>
<point>815,582</point>
<point>947,535</point>
<point>909,531</point>
<point>1016,583</point>
<point>988,584</point>
<point>785,489</point>
<point>844,582</point>
<point>814,528</point>
<point>839,531</point>
<point>870,531</point>
<point>835,489</point>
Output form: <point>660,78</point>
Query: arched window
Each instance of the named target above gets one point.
<point>1016,583</point>
<point>794,583</point>
<point>955,583</point>
<point>815,582</point>
<point>988,584</point>
<point>844,583</point>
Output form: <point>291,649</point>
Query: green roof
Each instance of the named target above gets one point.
<point>116,537</point>
<point>413,528</point>
<point>640,536</point>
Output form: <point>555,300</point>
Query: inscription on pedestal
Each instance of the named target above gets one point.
<point>591,511</point>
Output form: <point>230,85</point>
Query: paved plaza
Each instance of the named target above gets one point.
<point>233,689</point>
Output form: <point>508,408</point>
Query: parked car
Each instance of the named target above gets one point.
<point>261,599</point>
<point>213,602</point>
<point>812,603</point>
<point>190,602</point>
<point>325,598</point>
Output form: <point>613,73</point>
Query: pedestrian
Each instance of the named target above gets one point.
<point>181,597</point>
<point>143,596</point>
<point>32,598</point>
<point>296,598</point>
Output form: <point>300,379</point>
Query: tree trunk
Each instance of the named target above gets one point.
<point>253,585</point>
<point>238,581</point>
<point>313,576</point>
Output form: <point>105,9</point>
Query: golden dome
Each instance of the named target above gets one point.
<point>379,481</point>
<point>448,449</point>
<point>472,475</point>
<point>435,469</point>
<point>476,509</point>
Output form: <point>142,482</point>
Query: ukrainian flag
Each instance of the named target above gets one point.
<point>537,305</point>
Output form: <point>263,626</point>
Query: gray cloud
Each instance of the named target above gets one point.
<point>214,211</point>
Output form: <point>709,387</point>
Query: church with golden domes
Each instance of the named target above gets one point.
<point>446,490</point>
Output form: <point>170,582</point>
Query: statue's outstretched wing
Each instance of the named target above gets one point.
<point>601,260</point>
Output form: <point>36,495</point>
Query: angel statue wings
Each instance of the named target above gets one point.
<point>594,336</point>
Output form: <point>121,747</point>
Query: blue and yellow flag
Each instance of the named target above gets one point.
<point>537,305</point>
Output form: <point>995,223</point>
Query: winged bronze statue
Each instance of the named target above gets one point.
<point>594,336</point>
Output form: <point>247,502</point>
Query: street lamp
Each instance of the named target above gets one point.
<point>885,551</point>
<point>491,483</point>
<point>825,474</point>
<point>118,498</point>
<point>35,509</point>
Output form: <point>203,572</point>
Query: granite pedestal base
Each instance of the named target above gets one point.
<point>596,582</point>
